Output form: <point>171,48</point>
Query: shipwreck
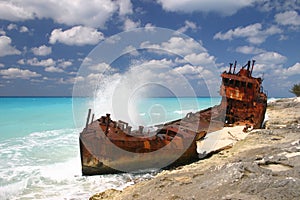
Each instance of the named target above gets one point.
<point>109,146</point>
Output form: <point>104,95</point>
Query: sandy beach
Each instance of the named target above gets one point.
<point>265,164</point>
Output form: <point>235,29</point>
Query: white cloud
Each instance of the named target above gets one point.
<point>253,33</point>
<point>90,80</point>
<point>12,27</point>
<point>1,65</point>
<point>196,72</point>
<point>153,74</point>
<point>249,50</point>
<point>113,39</point>
<point>270,57</point>
<point>6,48</point>
<point>64,64</point>
<point>278,5</point>
<point>42,50</point>
<point>49,64</point>
<point>24,29</point>
<point>156,63</point>
<point>53,69</point>
<point>125,7</point>
<point>94,13</point>
<point>188,25</point>
<point>21,62</point>
<point>290,71</point>
<point>227,7</point>
<point>177,45</point>
<point>129,24</point>
<point>188,69</point>
<point>101,67</point>
<point>131,50</point>
<point>149,27</point>
<point>2,32</point>
<point>13,12</point>
<point>268,62</point>
<point>44,63</point>
<point>12,73</point>
<point>288,18</point>
<point>78,35</point>
<point>203,59</point>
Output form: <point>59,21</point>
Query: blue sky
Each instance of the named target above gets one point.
<point>43,43</point>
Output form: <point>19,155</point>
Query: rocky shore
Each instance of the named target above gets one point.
<point>264,165</point>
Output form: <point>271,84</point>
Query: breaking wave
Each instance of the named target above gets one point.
<point>46,165</point>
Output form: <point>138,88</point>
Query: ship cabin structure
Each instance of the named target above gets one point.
<point>243,96</point>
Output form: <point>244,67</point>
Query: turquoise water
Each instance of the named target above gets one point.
<point>39,150</point>
<point>157,110</point>
<point>22,116</point>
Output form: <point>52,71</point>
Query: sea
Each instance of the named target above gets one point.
<point>39,146</point>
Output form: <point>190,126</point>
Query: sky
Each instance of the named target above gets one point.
<point>48,48</point>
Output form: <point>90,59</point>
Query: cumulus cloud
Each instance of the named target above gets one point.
<point>14,12</point>
<point>12,27</point>
<point>268,62</point>
<point>21,62</point>
<point>283,73</point>
<point>253,33</point>
<point>177,45</point>
<point>72,80</point>
<point>270,57</point>
<point>6,48</point>
<point>191,59</point>
<point>94,13</point>
<point>24,29</point>
<point>188,25</point>
<point>12,73</point>
<point>195,72</point>
<point>2,32</point>
<point>100,68</point>
<point>78,35</point>
<point>64,64</point>
<point>278,5</point>
<point>49,64</point>
<point>188,69</point>
<point>131,50</point>
<point>203,59</point>
<point>149,27</point>
<point>125,7</point>
<point>288,18</point>
<point>42,50</point>
<point>36,62</point>
<point>54,69</point>
<point>228,7</point>
<point>249,50</point>
<point>129,24</point>
<point>154,63</point>
<point>290,71</point>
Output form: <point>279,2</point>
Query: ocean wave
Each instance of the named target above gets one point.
<point>46,165</point>
<point>11,191</point>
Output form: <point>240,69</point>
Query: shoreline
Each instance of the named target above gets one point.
<point>263,165</point>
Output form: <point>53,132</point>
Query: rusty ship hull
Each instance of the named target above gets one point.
<point>108,146</point>
<point>103,153</point>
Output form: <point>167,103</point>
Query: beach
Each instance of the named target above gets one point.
<point>263,165</point>
<point>39,147</point>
